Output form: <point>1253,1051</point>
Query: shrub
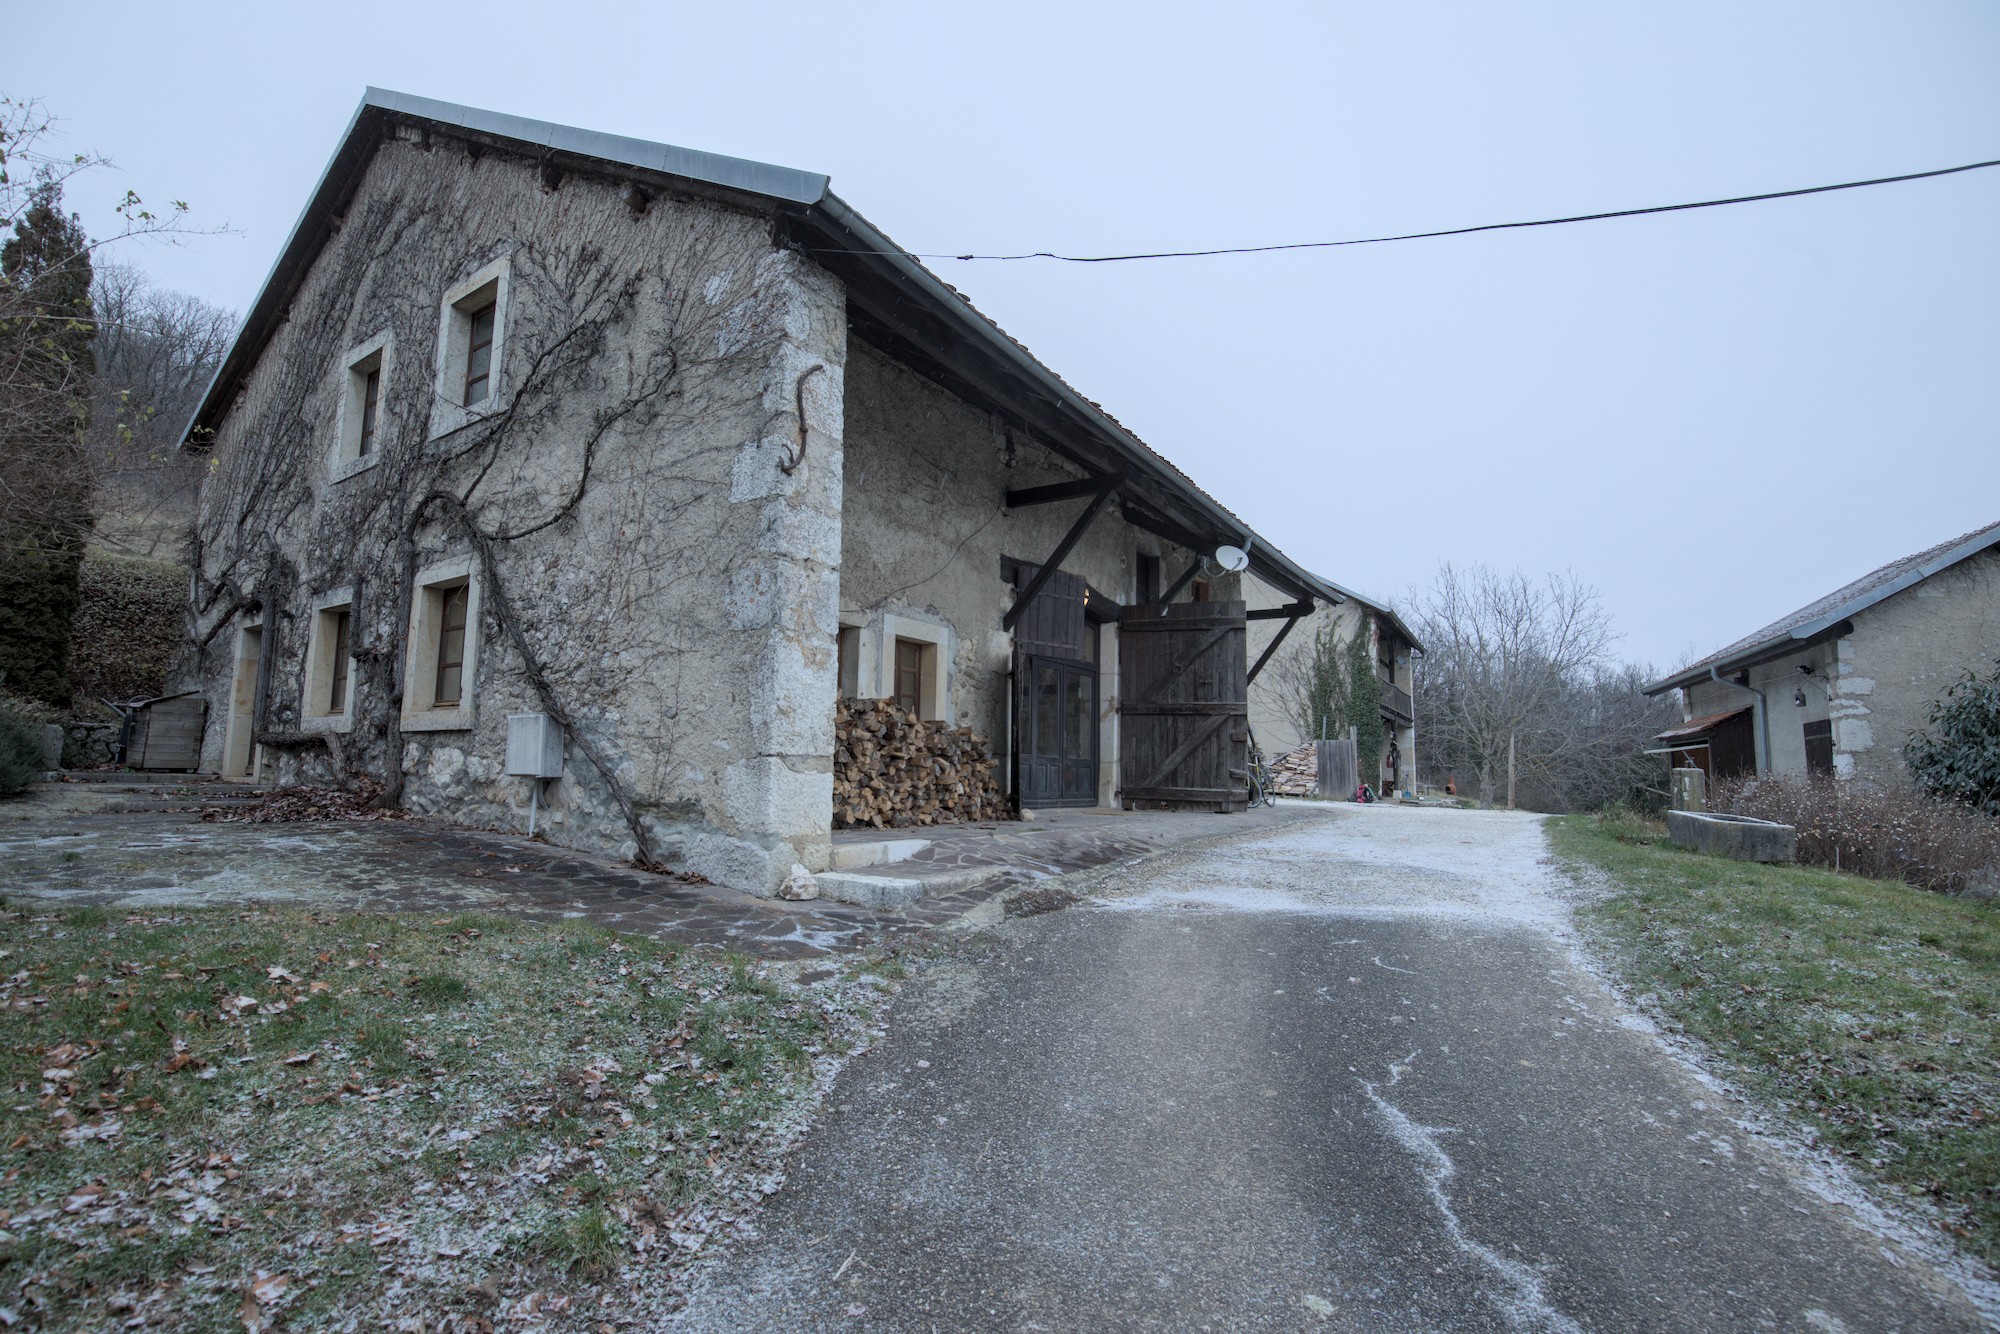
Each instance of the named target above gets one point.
<point>1892,835</point>
<point>20,752</point>
<point>1958,755</point>
<point>128,626</point>
<point>38,600</point>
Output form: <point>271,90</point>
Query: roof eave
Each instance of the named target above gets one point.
<point>875,247</point>
<point>805,192</point>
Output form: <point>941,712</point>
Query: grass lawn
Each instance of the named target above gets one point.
<point>220,1119</point>
<point>1869,1008</point>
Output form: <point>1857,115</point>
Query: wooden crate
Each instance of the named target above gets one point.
<point>167,734</point>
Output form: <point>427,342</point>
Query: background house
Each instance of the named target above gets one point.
<point>1839,685</point>
<point>1274,713</point>
<point>676,449</point>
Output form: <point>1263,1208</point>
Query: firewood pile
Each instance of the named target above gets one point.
<point>1296,772</point>
<point>892,769</point>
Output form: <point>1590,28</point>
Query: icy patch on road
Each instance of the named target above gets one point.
<point>1483,868</point>
<point>1525,1303</point>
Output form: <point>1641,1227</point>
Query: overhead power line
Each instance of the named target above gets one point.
<point>1450,231</point>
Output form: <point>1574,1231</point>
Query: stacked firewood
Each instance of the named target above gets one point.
<point>892,769</point>
<point>1296,772</point>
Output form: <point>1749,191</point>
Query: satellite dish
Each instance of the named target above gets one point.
<point>1233,560</point>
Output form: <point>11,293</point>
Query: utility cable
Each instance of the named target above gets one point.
<point>1449,231</point>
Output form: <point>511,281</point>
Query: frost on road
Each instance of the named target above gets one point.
<point>1354,1075</point>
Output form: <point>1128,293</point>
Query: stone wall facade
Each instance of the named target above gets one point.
<point>680,492</point>
<point>648,530</point>
<point>925,532</point>
<point>1876,684</point>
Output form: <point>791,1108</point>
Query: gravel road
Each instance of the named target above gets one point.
<point>1350,1077</point>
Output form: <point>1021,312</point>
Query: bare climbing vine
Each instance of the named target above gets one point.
<point>592,494</point>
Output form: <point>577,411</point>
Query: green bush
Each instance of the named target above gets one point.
<point>1958,755</point>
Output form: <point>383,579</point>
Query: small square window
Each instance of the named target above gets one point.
<point>363,411</point>
<point>912,660</point>
<point>479,355</point>
<point>449,691</point>
<point>371,408</point>
<point>910,663</point>
<point>336,694</point>
<point>329,702</point>
<point>472,349</point>
<point>442,670</point>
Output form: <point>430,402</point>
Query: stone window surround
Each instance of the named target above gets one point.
<point>347,459</point>
<point>314,717</point>
<point>874,658</point>
<point>936,704</point>
<point>420,666</point>
<point>448,412</point>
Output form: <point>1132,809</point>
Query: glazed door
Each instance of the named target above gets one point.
<point>1056,726</point>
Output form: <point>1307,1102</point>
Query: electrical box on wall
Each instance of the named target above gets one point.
<point>534,746</point>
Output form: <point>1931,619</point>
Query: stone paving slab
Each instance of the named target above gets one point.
<point>144,846</point>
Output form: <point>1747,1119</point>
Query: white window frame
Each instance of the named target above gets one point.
<point>935,698</point>
<point>351,391</point>
<point>420,713</point>
<point>316,716</point>
<point>455,311</point>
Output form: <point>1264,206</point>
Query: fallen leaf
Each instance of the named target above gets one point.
<point>301,1058</point>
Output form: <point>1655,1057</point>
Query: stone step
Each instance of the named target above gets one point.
<point>891,893</point>
<point>876,852</point>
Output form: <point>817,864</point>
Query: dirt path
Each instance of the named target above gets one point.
<point>1348,1077</point>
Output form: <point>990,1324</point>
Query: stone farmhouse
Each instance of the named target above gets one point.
<point>673,450</point>
<point>1839,685</point>
<point>1391,647</point>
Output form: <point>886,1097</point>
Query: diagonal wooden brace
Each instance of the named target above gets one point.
<point>1106,488</point>
<point>1192,570</point>
<point>1272,647</point>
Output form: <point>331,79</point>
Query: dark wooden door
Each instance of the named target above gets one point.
<point>1055,711</point>
<point>1184,713</point>
<point>1732,747</point>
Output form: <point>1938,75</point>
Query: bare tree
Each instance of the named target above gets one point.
<point>156,352</point>
<point>47,328</point>
<point>1503,659</point>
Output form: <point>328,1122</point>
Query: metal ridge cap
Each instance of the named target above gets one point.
<point>783,183</point>
<point>880,247</point>
<point>763,178</point>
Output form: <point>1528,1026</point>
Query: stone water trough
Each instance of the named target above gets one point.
<point>1737,836</point>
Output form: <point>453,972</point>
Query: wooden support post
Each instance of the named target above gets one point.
<point>1106,487</point>
<point>1510,771</point>
<point>1271,648</point>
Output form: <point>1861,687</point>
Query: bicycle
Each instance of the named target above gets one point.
<point>1257,777</point>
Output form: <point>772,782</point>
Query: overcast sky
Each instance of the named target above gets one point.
<point>1713,417</point>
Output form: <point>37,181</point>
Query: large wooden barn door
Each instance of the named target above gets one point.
<point>1184,712</point>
